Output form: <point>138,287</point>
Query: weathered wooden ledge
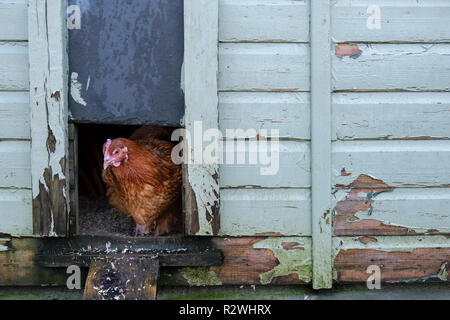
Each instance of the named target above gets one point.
<point>171,251</point>
<point>125,268</point>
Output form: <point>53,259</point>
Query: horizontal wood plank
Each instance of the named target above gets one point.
<point>264,67</point>
<point>249,260</point>
<point>284,212</point>
<point>15,163</point>
<point>410,67</point>
<point>393,115</point>
<point>290,168</point>
<point>14,66</point>
<point>264,20</point>
<point>15,212</point>
<point>399,211</point>
<point>400,20</point>
<point>400,259</point>
<point>14,20</point>
<point>391,163</point>
<point>14,115</point>
<point>289,113</point>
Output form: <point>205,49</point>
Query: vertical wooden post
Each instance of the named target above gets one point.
<point>49,127</point>
<point>201,25</point>
<point>321,143</point>
<point>73,171</point>
<point>122,279</point>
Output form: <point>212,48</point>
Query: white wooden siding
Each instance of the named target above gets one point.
<point>13,20</point>
<point>393,115</point>
<point>15,164</point>
<point>247,212</point>
<point>400,20</point>
<point>264,79</point>
<point>263,67</point>
<point>264,20</point>
<point>16,216</point>
<point>14,66</point>
<point>411,67</point>
<point>15,161</point>
<point>14,115</point>
<point>397,163</point>
<point>287,112</point>
<point>294,168</point>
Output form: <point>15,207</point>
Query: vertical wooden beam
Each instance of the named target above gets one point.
<point>122,279</point>
<point>49,127</point>
<point>73,171</point>
<point>201,25</point>
<point>321,143</point>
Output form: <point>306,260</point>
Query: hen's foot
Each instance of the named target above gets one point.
<point>139,232</point>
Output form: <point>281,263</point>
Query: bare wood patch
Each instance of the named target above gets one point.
<point>419,264</point>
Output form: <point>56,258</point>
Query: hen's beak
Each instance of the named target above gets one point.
<point>107,162</point>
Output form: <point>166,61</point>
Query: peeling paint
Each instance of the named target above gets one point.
<point>389,243</point>
<point>443,273</point>
<point>348,50</point>
<point>75,89</point>
<point>366,240</point>
<point>291,262</point>
<point>203,276</point>
<point>202,178</point>
<point>356,210</point>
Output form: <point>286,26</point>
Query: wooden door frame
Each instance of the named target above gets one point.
<point>201,180</point>
<point>47,29</point>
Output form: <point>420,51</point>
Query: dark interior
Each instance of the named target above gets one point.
<point>96,215</point>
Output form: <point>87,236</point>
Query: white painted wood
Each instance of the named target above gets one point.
<point>13,20</point>
<point>49,114</point>
<point>264,67</point>
<point>15,212</point>
<point>412,67</point>
<point>264,20</point>
<point>400,20</point>
<point>417,209</point>
<point>14,115</point>
<point>248,212</point>
<point>321,143</point>
<point>15,164</point>
<point>201,19</point>
<point>398,163</point>
<point>287,112</point>
<point>294,165</point>
<point>14,66</point>
<point>393,115</point>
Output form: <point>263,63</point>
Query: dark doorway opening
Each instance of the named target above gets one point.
<point>96,216</point>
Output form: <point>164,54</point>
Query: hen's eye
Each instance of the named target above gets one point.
<point>116,151</point>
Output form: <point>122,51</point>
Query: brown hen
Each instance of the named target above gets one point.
<point>142,181</point>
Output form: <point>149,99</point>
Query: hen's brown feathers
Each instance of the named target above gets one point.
<point>147,185</point>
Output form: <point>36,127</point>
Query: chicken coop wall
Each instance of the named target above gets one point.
<point>389,158</point>
<point>15,159</point>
